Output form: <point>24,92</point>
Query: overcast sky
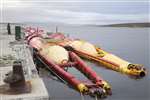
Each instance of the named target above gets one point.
<point>75,11</point>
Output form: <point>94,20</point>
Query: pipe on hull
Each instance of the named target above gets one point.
<point>115,63</point>
<point>92,75</point>
<point>104,58</point>
<point>97,88</point>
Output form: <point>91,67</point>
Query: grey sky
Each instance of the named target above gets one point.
<point>76,12</point>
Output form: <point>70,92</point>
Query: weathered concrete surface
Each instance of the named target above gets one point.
<point>20,50</point>
<point>38,90</point>
<point>4,44</point>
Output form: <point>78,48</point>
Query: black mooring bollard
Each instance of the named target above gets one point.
<point>17,32</point>
<point>16,77</point>
<point>8,29</point>
<point>16,81</point>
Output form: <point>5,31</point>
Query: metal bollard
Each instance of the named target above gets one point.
<point>15,81</point>
<point>8,29</point>
<point>17,33</point>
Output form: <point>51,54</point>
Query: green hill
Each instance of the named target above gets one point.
<point>128,25</point>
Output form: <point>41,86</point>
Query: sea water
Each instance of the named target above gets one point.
<point>132,44</point>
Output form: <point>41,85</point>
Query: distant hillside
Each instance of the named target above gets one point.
<point>128,25</point>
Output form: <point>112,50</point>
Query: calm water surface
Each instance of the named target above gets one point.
<point>132,44</point>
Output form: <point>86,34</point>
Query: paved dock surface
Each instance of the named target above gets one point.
<point>19,50</point>
<point>38,90</point>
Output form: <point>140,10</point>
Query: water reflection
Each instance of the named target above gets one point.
<point>132,44</point>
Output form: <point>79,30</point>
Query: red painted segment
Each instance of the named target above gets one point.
<point>61,72</point>
<point>81,66</point>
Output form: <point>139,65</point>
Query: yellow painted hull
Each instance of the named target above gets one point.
<point>109,61</point>
<point>115,63</point>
